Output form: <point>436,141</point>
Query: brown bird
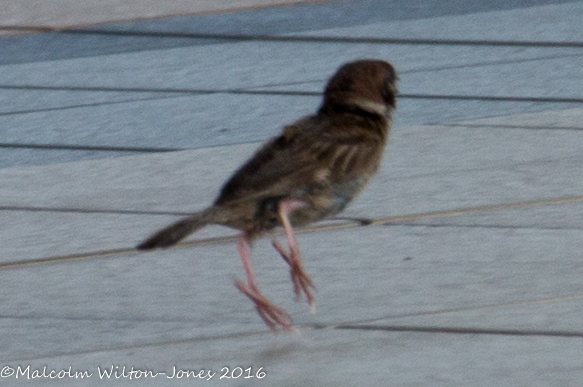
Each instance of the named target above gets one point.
<point>310,172</point>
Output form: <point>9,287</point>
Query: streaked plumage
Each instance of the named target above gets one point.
<point>311,171</point>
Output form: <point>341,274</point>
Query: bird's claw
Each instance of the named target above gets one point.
<point>272,315</point>
<point>300,278</point>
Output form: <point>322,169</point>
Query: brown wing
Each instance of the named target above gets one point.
<point>290,163</point>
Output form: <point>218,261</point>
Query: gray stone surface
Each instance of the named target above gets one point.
<point>411,359</point>
<point>63,13</point>
<point>484,290</point>
<point>427,168</point>
<point>269,21</point>
<point>495,80</point>
<point>230,66</point>
<point>21,101</point>
<point>560,217</point>
<point>33,235</point>
<point>183,121</point>
<point>560,119</point>
<point>547,23</point>
<point>362,274</point>
<point>10,157</point>
<point>56,116</point>
<point>158,182</point>
<point>198,121</point>
<point>556,315</point>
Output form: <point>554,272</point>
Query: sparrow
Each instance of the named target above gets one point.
<point>310,172</point>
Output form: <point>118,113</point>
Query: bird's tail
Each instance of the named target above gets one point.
<point>175,232</point>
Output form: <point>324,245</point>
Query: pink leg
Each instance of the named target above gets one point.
<point>272,315</point>
<point>300,278</point>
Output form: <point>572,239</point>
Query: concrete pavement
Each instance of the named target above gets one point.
<point>469,274</point>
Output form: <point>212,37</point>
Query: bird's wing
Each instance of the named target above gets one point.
<point>291,162</point>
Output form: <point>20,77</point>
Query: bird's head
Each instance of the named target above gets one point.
<point>368,84</point>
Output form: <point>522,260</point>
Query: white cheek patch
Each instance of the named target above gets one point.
<point>371,106</point>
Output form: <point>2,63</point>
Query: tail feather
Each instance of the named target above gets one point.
<point>175,232</point>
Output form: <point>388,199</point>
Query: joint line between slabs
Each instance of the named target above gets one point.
<point>355,326</point>
<point>328,227</point>
<point>509,126</point>
<point>440,312</point>
<point>250,91</point>
<point>186,340</point>
<point>89,147</point>
<point>298,38</point>
<point>462,330</point>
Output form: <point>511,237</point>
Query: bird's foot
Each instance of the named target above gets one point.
<point>300,278</point>
<point>272,315</point>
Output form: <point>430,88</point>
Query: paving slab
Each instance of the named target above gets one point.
<point>427,168</point>
<point>361,274</point>
<point>512,79</point>
<point>494,273</point>
<point>193,121</point>
<point>22,101</point>
<point>52,13</point>
<point>272,63</point>
<point>489,78</point>
<point>24,236</point>
<point>558,316</point>
<point>318,15</point>
<point>560,119</point>
<point>196,122</point>
<point>77,185</point>
<point>62,45</point>
<point>264,21</point>
<point>409,359</point>
<point>551,23</point>
<point>37,235</point>
<point>428,269</point>
<point>10,157</point>
<point>412,180</point>
<point>209,131</point>
<point>445,111</point>
<point>558,216</point>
